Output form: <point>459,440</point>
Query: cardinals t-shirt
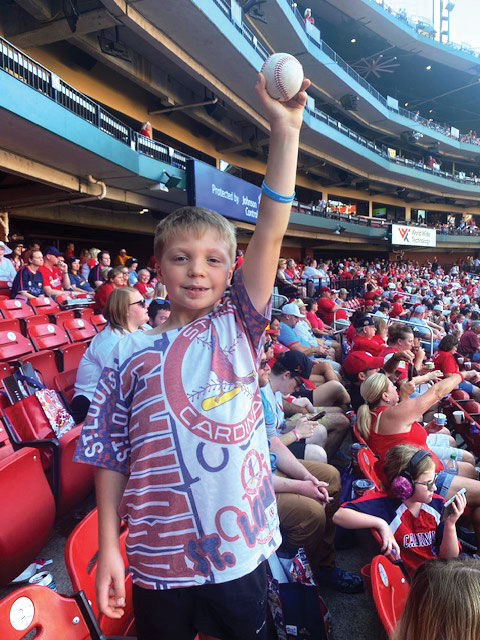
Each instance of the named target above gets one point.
<point>51,277</point>
<point>325,309</point>
<point>180,414</point>
<point>419,537</point>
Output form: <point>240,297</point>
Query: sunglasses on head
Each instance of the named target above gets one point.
<point>141,302</point>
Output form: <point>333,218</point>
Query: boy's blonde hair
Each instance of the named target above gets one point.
<point>398,459</point>
<point>195,221</point>
<point>443,602</point>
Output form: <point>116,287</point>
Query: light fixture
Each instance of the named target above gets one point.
<point>430,111</point>
<point>159,186</point>
<point>428,67</point>
<point>142,211</point>
<point>405,104</point>
<point>353,40</point>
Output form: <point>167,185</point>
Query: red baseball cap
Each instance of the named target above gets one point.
<point>325,290</point>
<point>357,361</point>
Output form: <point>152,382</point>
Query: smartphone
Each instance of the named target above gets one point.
<point>319,416</point>
<point>410,371</point>
<point>447,507</point>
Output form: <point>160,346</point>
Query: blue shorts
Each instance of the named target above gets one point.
<point>466,386</point>
<point>443,482</point>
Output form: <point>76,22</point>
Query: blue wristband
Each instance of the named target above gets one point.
<point>273,195</point>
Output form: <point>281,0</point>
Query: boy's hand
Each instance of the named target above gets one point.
<point>110,583</point>
<point>288,114</point>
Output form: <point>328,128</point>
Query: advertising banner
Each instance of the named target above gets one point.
<point>413,236</point>
<point>213,189</point>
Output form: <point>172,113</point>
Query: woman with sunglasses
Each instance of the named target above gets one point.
<point>125,312</point>
<point>408,514</point>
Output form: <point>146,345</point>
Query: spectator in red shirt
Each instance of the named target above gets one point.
<point>327,306</point>
<point>397,311</point>
<point>147,290</point>
<point>115,280</point>
<point>445,361</point>
<point>70,250</point>
<point>469,345</point>
<point>55,274</point>
<point>364,339</point>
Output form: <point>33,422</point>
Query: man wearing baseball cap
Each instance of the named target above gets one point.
<point>7,270</point>
<point>290,315</point>
<point>365,330</point>
<point>55,277</point>
<point>357,367</point>
<point>419,319</point>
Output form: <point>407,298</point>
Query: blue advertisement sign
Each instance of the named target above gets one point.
<point>213,189</point>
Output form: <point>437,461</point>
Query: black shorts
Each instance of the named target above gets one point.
<point>234,610</point>
<point>298,449</point>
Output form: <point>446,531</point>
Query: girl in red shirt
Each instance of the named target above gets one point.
<point>445,361</point>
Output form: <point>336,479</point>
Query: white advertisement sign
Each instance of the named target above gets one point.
<point>413,236</point>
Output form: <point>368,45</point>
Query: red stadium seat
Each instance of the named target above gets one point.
<point>60,317</point>
<point>390,590</point>
<point>69,356</point>
<point>6,369</point>
<point>99,321</point>
<point>85,314</point>
<point>47,615</point>
<point>81,562</point>
<point>4,288</point>
<point>10,325</point>
<point>366,460</point>
<point>47,336</point>
<point>45,366</point>
<point>13,345</point>
<point>43,304</point>
<point>64,383</point>
<point>28,509</point>
<point>31,321</point>
<point>11,309</point>
<point>77,329</point>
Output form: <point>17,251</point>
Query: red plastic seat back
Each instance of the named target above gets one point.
<point>60,317</point>
<point>47,613</point>
<point>85,314</point>
<point>366,460</point>
<point>390,590</point>
<point>4,288</point>
<point>81,563</point>
<point>43,304</point>
<point>99,321</point>
<point>13,345</point>
<point>78,329</point>
<point>10,325</point>
<point>11,309</point>
<point>65,383</point>
<point>45,366</point>
<point>71,354</point>
<point>47,336</point>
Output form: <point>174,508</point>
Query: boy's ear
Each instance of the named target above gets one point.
<point>362,376</point>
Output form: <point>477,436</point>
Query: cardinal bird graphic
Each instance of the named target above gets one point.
<point>223,369</point>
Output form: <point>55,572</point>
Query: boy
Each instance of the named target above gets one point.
<point>176,424</point>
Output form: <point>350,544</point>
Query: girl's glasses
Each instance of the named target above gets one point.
<point>429,483</point>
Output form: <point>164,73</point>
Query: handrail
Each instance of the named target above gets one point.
<point>25,69</point>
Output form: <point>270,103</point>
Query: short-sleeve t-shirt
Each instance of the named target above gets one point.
<point>288,336</point>
<point>51,277</point>
<point>180,414</point>
<point>419,537</point>
<point>26,280</point>
<point>325,310</point>
<point>445,362</point>
<point>272,410</point>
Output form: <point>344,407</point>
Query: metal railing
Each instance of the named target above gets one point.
<point>38,77</point>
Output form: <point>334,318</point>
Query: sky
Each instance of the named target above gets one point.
<point>464,20</point>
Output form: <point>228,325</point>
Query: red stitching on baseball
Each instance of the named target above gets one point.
<point>278,80</point>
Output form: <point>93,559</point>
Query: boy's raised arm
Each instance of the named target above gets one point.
<point>260,264</point>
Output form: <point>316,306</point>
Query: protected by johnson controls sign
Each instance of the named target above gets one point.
<point>413,236</point>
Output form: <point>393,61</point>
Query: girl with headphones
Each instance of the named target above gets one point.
<point>407,516</point>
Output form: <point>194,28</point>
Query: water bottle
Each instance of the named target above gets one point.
<point>474,428</point>
<point>451,464</point>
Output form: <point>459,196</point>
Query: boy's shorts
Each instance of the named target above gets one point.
<point>234,610</point>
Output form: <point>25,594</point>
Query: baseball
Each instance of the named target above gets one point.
<point>283,76</point>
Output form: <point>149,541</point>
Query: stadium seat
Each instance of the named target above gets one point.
<point>41,612</point>
<point>60,317</point>
<point>47,336</point>
<point>390,590</point>
<point>10,325</point>
<point>45,366</point>
<point>69,356</point>
<point>6,369</point>
<point>11,309</point>
<point>4,288</point>
<point>28,509</point>
<point>81,562</point>
<point>13,345</point>
<point>85,314</point>
<point>31,321</point>
<point>64,383</point>
<point>366,460</point>
<point>78,329</point>
<point>99,321</point>
<point>43,304</point>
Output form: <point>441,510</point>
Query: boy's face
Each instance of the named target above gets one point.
<point>196,270</point>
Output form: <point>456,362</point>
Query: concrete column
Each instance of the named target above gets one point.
<point>408,213</point>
